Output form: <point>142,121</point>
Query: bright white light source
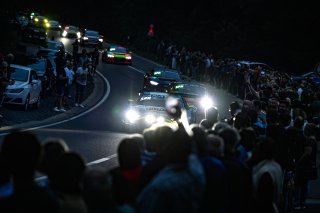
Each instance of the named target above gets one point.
<point>150,119</point>
<point>132,116</point>
<point>154,83</point>
<point>206,102</point>
<point>64,34</point>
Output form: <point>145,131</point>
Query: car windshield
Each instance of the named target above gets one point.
<point>166,74</point>
<point>72,28</point>
<point>39,65</point>
<point>118,49</point>
<point>92,33</point>
<point>189,89</point>
<point>20,74</point>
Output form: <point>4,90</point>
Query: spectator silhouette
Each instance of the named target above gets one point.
<point>21,151</point>
<point>238,174</point>
<point>212,115</point>
<point>175,188</point>
<point>65,181</point>
<point>126,177</point>
<point>53,148</point>
<point>267,178</point>
<point>97,193</point>
<point>156,142</point>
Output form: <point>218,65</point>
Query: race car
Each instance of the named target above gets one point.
<point>160,78</point>
<point>153,107</point>
<point>117,54</point>
<point>196,96</point>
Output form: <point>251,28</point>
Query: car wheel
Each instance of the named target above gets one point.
<point>26,104</point>
<point>36,105</point>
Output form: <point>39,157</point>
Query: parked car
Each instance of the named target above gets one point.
<point>311,77</point>
<point>34,35</point>
<point>71,31</point>
<point>40,21</point>
<point>26,90</point>
<point>117,54</point>
<point>55,45</point>
<point>254,64</point>
<point>91,37</point>
<point>54,25</point>
<point>44,68</point>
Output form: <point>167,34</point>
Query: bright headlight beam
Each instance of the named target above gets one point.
<point>206,102</point>
<point>150,119</point>
<point>154,83</point>
<point>132,115</point>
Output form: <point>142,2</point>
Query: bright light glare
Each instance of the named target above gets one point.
<point>100,39</point>
<point>85,38</point>
<point>150,119</point>
<point>79,34</point>
<point>206,102</point>
<point>160,119</point>
<point>132,116</point>
<point>154,83</point>
<point>128,57</point>
<point>64,34</point>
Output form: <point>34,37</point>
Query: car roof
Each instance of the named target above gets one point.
<point>165,69</point>
<point>20,67</point>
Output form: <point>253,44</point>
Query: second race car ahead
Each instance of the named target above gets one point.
<point>117,54</point>
<point>160,78</point>
<point>196,96</point>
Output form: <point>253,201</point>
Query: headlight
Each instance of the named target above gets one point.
<point>85,38</point>
<point>150,119</point>
<point>128,57</point>
<point>79,34</point>
<point>64,34</point>
<point>132,116</point>
<point>100,39</point>
<point>206,102</point>
<point>160,119</point>
<point>154,83</point>
<point>18,90</point>
<point>110,55</point>
<point>47,25</point>
<point>36,19</point>
<point>59,26</point>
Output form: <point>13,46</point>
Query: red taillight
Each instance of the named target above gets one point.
<point>66,28</point>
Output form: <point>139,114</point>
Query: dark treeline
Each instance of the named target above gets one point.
<point>284,35</point>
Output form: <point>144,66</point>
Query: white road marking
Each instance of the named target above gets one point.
<point>140,71</point>
<point>101,160</point>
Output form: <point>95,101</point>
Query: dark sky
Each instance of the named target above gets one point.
<point>282,34</point>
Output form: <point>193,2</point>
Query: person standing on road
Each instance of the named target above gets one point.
<point>75,48</point>
<point>81,83</point>
<point>61,80</point>
<point>4,81</point>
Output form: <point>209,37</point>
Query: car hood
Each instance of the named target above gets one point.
<point>143,109</point>
<point>17,84</point>
<point>92,37</point>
